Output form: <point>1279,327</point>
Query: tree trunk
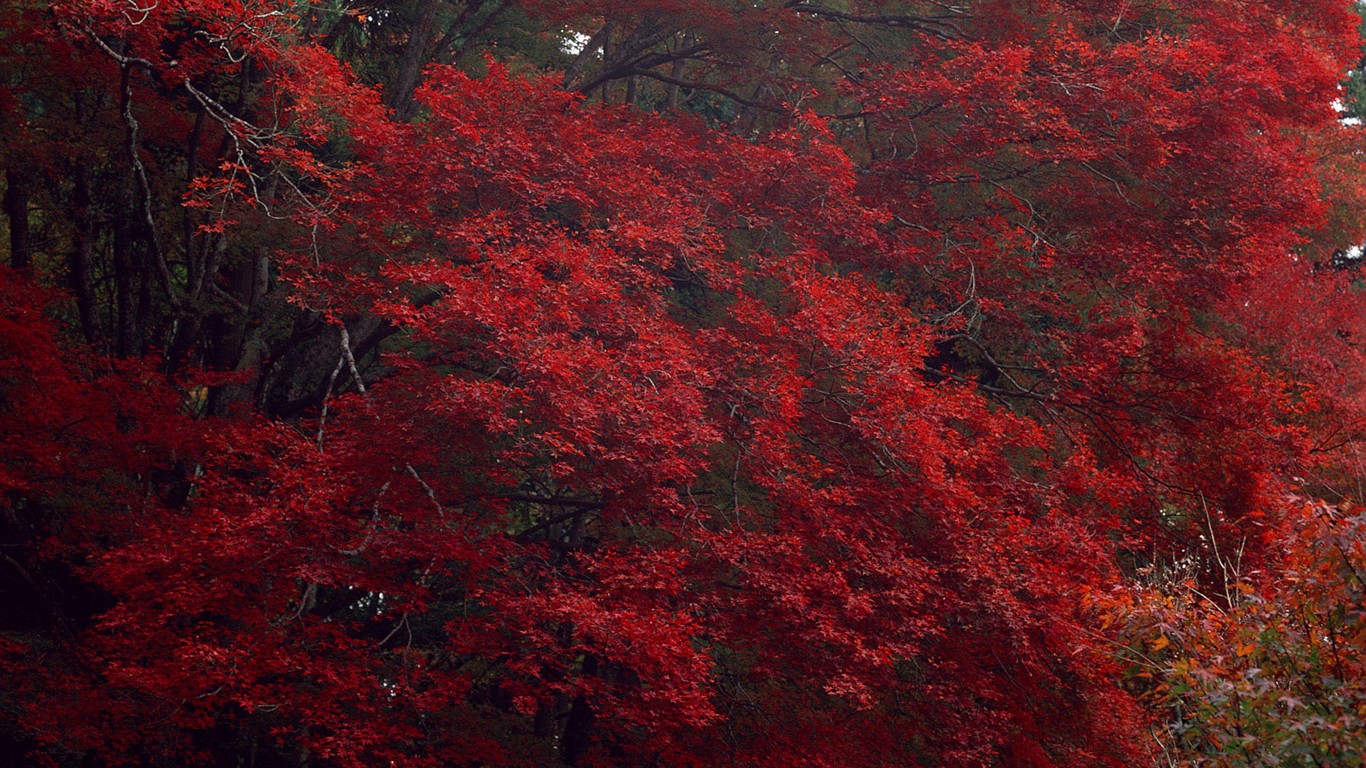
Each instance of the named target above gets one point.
<point>578,727</point>
<point>16,209</point>
<point>82,274</point>
<point>399,96</point>
<point>126,342</point>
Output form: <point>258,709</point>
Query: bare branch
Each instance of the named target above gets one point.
<point>938,26</point>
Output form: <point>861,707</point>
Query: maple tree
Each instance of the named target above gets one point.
<point>671,383</point>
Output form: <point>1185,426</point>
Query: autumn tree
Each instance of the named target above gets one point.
<point>666,383</point>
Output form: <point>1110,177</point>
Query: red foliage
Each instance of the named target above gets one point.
<point>788,445</point>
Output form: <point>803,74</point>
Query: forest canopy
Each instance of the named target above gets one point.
<point>682,383</point>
